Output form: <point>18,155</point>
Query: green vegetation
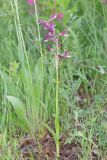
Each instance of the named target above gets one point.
<point>38,91</point>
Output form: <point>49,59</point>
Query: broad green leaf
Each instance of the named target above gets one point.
<point>20,111</point>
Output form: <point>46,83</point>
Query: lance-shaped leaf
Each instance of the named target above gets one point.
<point>20,111</point>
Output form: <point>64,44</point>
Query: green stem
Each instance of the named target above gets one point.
<point>57,125</point>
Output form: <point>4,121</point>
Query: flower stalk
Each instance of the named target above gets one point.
<point>53,39</point>
<point>57,123</point>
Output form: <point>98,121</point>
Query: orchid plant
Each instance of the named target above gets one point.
<point>54,42</point>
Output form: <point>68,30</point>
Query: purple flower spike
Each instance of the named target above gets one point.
<point>30,2</point>
<point>52,37</point>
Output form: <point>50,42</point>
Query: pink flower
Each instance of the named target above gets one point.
<point>64,34</point>
<point>50,48</point>
<point>57,16</point>
<point>50,37</point>
<point>64,55</point>
<point>30,2</point>
<point>48,25</point>
<point>54,16</point>
<point>60,16</point>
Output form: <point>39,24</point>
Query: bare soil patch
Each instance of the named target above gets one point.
<point>46,149</point>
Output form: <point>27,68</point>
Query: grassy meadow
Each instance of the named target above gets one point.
<point>53,88</point>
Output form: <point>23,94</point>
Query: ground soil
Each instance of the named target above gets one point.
<point>46,149</point>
